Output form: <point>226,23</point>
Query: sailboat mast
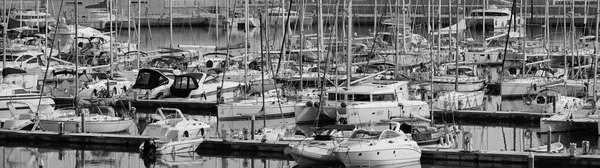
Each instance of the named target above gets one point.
<point>110,48</point>
<point>375,16</point>
<point>573,33</point>
<point>75,97</point>
<point>565,43</point>
<point>396,34</point>
<point>4,27</point>
<point>128,25</point>
<point>349,48</point>
<point>403,31</point>
<point>320,45</point>
<point>216,22</point>
<point>302,9</point>
<point>483,32</point>
<point>263,67</point>
<point>139,32</point>
<point>171,23</point>
<point>596,56</point>
<point>431,57</point>
<point>247,28</point>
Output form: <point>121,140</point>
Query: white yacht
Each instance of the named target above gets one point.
<point>467,78</point>
<point>173,135</point>
<point>16,93</point>
<point>319,150</point>
<point>32,19</point>
<point>100,119</point>
<point>279,16</point>
<point>369,101</point>
<point>497,18</point>
<point>375,147</point>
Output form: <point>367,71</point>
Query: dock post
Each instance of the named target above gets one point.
<point>554,107</point>
<point>467,141</point>
<point>61,128</point>
<point>572,147</point>
<point>531,160</point>
<point>549,148</point>
<point>252,127</point>
<point>586,147</point>
<point>135,96</point>
<point>78,127</point>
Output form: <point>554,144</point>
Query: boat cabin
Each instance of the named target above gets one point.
<point>378,91</point>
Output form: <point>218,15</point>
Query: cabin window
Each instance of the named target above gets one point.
<point>33,61</point>
<point>19,91</point>
<point>362,97</point>
<point>362,134</point>
<point>184,83</point>
<point>389,134</point>
<point>383,97</point>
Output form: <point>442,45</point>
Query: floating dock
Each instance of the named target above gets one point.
<point>510,157</point>
<point>483,117</point>
<point>428,155</point>
<point>73,138</point>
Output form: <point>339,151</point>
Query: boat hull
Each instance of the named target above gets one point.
<point>90,126</point>
<point>179,146</point>
<point>376,157</point>
<point>313,154</point>
<point>241,111</point>
<point>30,99</point>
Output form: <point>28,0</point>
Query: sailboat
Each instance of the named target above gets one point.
<point>98,119</point>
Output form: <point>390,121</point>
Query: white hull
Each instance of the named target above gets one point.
<point>462,87</point>
<point>363,113</point>
<point>375,157</point>
<point>239,22</point>
<point>90,126</point>
<point>179,146</point>
<point>519,87</point>
<point>30,99</point>
<point>236,110</point>
<point>314,153</point>
<point>566,125</point>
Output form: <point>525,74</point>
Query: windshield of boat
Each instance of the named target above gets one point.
<point>361,97</point>
<point>363,134</point>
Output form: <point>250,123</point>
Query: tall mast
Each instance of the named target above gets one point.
<point>596,56</point>
<point>484,21</point>
<point>396,34</point>
<point>403,29</point>
<point>75,97</point>
<point>302,8</point>
<point>263,67</point>
<point>128,25</point>
<point>565,42</point>
<point>247,28</point>
<point>573,52</point>
<point>171,23</point>
<point>439,38</point>
<point>320,42</point>
<point>110,48</point>
<point>431,57</point>
<point>4,27</point>
<point>349,48</point>
<point>374,17</point>
<point>139,32</point>
<point>217,22</point>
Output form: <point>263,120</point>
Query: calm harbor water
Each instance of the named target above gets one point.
<point>486,135</point>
